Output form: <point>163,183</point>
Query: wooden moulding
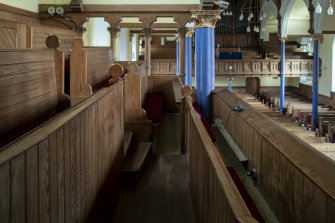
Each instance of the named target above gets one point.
<point>133,94</point>
<point>79,87</point>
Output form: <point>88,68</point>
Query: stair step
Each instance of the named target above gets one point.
<point>128,135</point>
<point>134,160</point>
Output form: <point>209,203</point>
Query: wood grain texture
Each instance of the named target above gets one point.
<point>293,178</point>
<point>215,196</point>
<point>71,168</point>
<point>30,91</point>
<point>32,184</point>
<point>18,196</point>
<point>5,188</point>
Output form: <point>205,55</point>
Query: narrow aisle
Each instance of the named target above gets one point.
<point>162,191</point>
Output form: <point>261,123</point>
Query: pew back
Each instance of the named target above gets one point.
<point>214,194</point>
<point>31,89</point>
<point>89,69</point>
<point>293,177</point>
<point>69,169</point>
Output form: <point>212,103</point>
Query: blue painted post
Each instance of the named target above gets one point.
<point>188,58</point>
<point>230,81</point>
<point>282,75</point>
<point>205,57</point>
<point>315,87</point>
<point>177,56</point>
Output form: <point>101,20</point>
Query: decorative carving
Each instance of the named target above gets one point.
<point>205,18</point>
<point>113,31</point>
<point>182,32</point>
<point>318,37</point>
<point>189,33</point>
<point>282,39</point>
<point>147,32</point>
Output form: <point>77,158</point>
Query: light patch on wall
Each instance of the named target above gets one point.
<point>130,20</point>
<point>165,20</point>
<point>30,5</point>
<point>298,22</point>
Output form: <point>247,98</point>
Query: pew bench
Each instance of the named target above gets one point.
<point>204,121</point>
<point>31,89</point>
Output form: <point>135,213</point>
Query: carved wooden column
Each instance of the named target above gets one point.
<point>113,32</point>
<point>147,33</point>
<point>182,32</point>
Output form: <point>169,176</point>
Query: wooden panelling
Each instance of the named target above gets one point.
<point>40,34</point>
<point>30,90</point>
<point>292,177</point>
<point>12,35</point>
<point>69,169</point>
<point>163,66</point>
<point>12,14</point>
<point>214,194</point>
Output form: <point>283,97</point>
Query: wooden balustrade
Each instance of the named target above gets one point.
<point>214,194</point>
<point>246,67</point>
<point>68,169</point>
<point>264,67</point>
<point>295,179</point>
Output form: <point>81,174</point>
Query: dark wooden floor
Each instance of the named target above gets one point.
<point>162,192</point>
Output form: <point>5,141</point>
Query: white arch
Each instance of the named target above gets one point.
<point>285,12</point>
<point>318,18</point>
<point>268,7</point>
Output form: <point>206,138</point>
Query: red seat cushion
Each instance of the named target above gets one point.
<point>204,122</point>
<point>153,105</point>
<point>245,195</point>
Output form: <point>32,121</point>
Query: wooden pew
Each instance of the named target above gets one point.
<point>89,68</point>
<point>214,194</point>
<point>31,90</point>
<point>291,174</point>
<point>68,169</point>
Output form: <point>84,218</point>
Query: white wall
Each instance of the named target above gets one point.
<point>298,22</point>
<point>124,45</point>
<point>30,5</point>
<point>270,27</point>
<point>325,53</point>
<point>96,32</point>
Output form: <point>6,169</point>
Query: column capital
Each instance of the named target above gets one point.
<point>182,32</point>
<point>318,37</point>
<point>189,32</point>
<point>113,31</point>
<point>205,18</point>
<point>147,32</point>
<point>282,39</point>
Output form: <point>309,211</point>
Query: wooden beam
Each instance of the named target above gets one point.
<point>18,11</point>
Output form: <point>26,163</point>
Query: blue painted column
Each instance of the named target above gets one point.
<point>177,56</point>
<point>315,87</point>
<point>230,84</point>
<point>282,75</point>
<point>205,57</point>
<point>188,57</point>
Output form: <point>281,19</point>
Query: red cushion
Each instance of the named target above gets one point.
<point>245,195</point>
<point>204,122</point>
<point>153,105</point>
